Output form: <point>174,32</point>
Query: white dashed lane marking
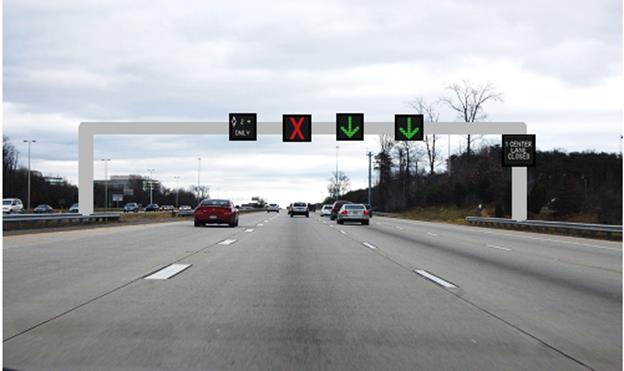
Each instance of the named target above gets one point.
<point>227,242</point>
<point>435,279</point>
<point>167,272</point>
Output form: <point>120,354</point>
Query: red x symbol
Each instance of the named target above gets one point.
<point>297,130</point>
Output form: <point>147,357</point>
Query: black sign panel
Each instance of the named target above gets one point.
<point>243,126</point>
<point>408,127</point>
<point>297,128</point>
<point>519,150</point>
<point>349,126</point>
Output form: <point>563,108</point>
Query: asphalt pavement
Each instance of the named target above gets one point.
<point>280,293</point>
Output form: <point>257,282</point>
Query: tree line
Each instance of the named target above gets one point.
<point>62,194</point>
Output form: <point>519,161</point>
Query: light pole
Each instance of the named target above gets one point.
<point>177,179</point>
<point>336,184</point>
<point>151,183</point>
<point>198,173</point>
<point>370,157</point>
<point>106,160</point>
<point>29,141</point>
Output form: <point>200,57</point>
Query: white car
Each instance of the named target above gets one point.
<point>299,208</point>
<point>12,205</point>
<point>273,208</point>
<point>353,213</point>
<point>326,210</point>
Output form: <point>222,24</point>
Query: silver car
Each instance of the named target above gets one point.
<point>353,213</point>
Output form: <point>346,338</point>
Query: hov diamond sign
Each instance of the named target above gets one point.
<point>243,126</point>
<point>408,127</point>
<point>518,150</point>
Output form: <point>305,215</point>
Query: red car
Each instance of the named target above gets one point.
<point>212,211</point>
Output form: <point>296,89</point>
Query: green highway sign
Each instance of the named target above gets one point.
<point>408,127</point>
<point>349,126</point>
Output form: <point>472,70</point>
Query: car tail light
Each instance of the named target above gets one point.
<point>344,212</point>
<point>365,212</point>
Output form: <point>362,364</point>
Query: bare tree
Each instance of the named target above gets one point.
<point>338,185</point>
<point>467,100</point>
<point>430,113</point>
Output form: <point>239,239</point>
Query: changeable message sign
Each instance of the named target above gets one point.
<point>519,150</point>
<point>349,126</point>
<point>243,126</point>
<point>408,127</point>
<point>297,128</point>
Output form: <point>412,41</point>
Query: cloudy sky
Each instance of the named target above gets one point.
<point>558,64</point>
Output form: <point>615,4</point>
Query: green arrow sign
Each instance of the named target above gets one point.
<point>352,130</point>
<point>409,133</point>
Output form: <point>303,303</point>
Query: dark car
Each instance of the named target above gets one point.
<point>131,207</point>
<point>370,210</point>
<point>43,209</point>
<point>214,211</point>
<point>336,207</point>
<point>152,207</point>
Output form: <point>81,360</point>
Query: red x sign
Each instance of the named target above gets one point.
<point>297,128</point>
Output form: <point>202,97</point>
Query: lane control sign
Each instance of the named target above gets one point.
<point>349,126</point>
<point>243,126</point>
<point>408,127</point>
<point>296,128</point>
<point>519,150</point>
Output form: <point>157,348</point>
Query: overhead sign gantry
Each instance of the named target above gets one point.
<point>518,151</point>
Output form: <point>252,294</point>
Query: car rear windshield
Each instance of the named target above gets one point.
<point>215,203</point>
<point>299,204</point>
<point>354,207</point>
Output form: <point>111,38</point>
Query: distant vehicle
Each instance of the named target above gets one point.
<point>74,208</point>
<point>131,207</point>
<point>214,211</point>
<point>353,213</point>
<point>152,207</point>
<point>336,207</point>
<point>326,210</point>
<point>185,207</point>
<point>43,209</point>
<point>167,208</point>
<point>299,208</point>
<point>12,205</point>
<point>289,209</point>
<point>273,208</point>
<point>370,210</point>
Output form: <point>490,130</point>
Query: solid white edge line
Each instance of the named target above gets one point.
<point>435,279</point>
<point>370,246</point>
<point>227,242</point>
<point>498,247</point>
<point>167,272</point>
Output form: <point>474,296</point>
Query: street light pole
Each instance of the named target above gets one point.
<point>177,179</point>
<point>29,141</point>
<point>151,183</point>
<point>106,160</point>
<point>370,157</point>
<point>336,190</point>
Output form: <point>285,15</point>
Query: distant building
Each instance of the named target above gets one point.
<point>126,184</point>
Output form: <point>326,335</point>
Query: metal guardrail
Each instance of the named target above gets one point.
<point>22,220</point>
<point>545,224</point>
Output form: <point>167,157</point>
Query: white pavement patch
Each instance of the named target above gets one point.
<point>435,279</point>
<point>343,232</point>
<point>432,234</point>
<point>168,272</point>
<point>331,225</point>
<point>259,224</point>
<point>498,247</point>
<point>227,242</point>
<point>370,246</point>
<point>249,230</point>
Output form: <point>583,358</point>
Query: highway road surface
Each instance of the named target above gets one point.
<point>280,293</point>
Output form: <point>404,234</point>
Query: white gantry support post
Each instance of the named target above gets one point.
<point>87,130</point>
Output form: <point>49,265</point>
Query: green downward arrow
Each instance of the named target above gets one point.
<point>351,131</point>
<point>409,133</point>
